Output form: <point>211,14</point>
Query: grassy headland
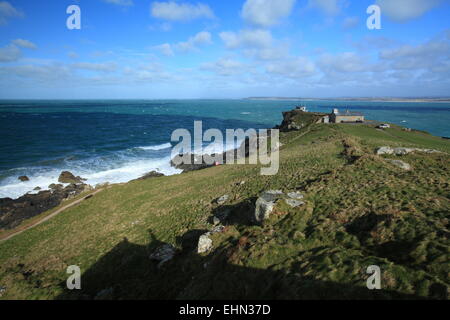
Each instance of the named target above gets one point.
<point>360,210</point>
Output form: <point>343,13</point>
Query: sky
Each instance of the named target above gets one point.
<point>141,49</point>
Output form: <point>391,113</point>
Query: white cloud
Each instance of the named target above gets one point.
<point>10,53</point>
<point>330,7</point>
<point>24,44</point>
<point>266,13</point>
<point>200,39</point>
<point>175,11</point>
<point>424,64</point>
<point>165,49</point>
<point>256,43</point>
<point>149,73</point>
<point>298,67</point>
<point>432,55</point>
<point>41,73</point>
<point>429,49</point>
<point>99,67</point>
<point>346,62</point>
<point>278,52</point>
<point>120,2</point>
<point>7,11</point>
<point>247,38</point>
<point>224,67</point>
<point>404,10</point>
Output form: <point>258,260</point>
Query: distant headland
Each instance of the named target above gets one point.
<point>369,99</point>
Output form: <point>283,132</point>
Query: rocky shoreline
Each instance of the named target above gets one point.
<point>14,211</point>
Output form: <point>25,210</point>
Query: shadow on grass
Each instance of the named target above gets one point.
<point>126,272</point>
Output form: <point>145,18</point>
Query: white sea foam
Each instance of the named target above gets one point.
<point>13,188</point>
<point>122,167</point>
<point>124,171</point>
<point>157,147</point>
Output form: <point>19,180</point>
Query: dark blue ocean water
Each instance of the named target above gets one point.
<point>117,141</point>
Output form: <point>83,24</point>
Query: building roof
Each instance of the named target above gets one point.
<point>350,113</point>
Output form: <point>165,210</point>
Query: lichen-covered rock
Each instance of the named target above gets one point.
<point>400,151</point>
<point>205,243</point>
<point>263,210</point>
<point>265,204</point>
<point>295,195</point>
<point>385,150</point>
<point>217,229</point>
<point>403,151</point>
<point>272,195</point>
<point>294,203</point>
<point>221,200</point>
<point>401,164</point>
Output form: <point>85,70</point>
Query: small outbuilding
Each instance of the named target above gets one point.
<point>346,117</point>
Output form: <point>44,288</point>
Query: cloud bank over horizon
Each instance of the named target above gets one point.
<point>209,49</point>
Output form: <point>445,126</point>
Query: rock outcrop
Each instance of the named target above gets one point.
<point>385,150</point>
<point>295,120</point>
<point>195,163</point>
<point>150,175</point>
<point>13,212</point>
<point>221,200</point>
<point>267,200</point>
<point>192,162</point>
<point>24,178</point>
<point>402,151</point>
<point>401,164</point>
<point>265,205</point>
<point>68,177</point>
<point>163,254</point>
<point>294,203</point>
<point>205,243</point>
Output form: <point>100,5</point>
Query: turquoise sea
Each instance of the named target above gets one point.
<point>117,141</point>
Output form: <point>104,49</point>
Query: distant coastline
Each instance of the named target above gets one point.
<point>365,99</point>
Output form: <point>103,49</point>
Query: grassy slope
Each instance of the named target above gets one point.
<point>360,211</point>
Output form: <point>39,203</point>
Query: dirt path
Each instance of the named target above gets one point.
<point>308,130</point>
<point>70,205</point>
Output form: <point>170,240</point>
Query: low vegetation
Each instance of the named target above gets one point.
<point>359,210</point>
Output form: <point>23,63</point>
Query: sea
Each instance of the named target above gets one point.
<point>117,141</point>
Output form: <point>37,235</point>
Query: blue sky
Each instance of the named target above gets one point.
<point>223,49</point>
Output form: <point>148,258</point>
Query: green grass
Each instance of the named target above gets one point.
<point>359,211</point>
